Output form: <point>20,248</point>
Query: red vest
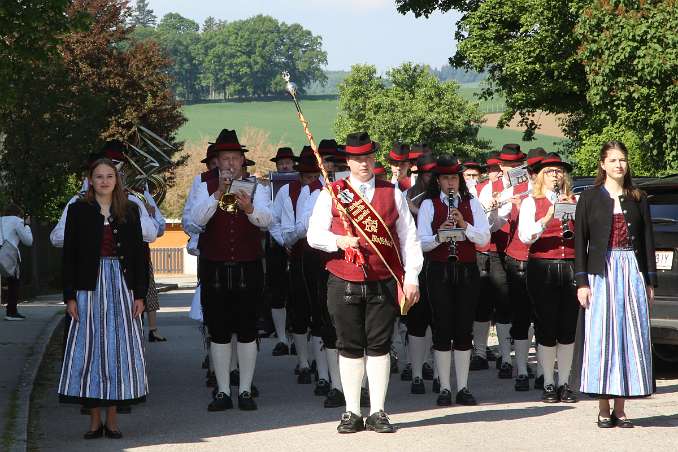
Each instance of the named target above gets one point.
<point>213,173</point>
<point>551,244</point>
<point>516,248</point>
<point>228,237</point>
<point>465,249</point>
<point>383,203</point>
<point>481,185</point>
<point>499,239</point>
<point>405,183</point>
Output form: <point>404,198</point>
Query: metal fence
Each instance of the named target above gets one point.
<point>167,260</point>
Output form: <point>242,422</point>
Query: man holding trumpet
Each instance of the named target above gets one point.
<point>231,271</point>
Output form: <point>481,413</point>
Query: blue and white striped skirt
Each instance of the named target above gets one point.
<point>617,356</point>
<point>104,357</point>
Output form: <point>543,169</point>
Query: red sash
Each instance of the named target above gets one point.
<point>372,228</point>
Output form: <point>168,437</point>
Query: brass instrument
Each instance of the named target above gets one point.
<point>452,244</point>
<point>567,234</point>
<point>228,202</point>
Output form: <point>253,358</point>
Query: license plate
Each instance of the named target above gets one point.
<point>664,259</point>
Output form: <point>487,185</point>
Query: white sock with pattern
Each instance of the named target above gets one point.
<point>352,371</point>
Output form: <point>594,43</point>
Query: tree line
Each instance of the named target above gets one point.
<point>232,59</point>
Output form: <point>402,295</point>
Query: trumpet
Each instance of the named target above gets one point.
<point>228,202</point>
<point>568,234</point>
<point>452,255</point>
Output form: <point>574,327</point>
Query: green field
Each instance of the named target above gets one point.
<point>279,119</point>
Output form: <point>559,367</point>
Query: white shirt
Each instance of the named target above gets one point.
<point>320,237</point>
<point>478,232</point>
<point>529,228</point>
<point>191,228</point>
<point>499,217</point>
<point>295,225</point>
<point>206,205</point>
<point>279,204</point>
<point>157,217</point>
<point>14,230</point>
<point>149,228</point>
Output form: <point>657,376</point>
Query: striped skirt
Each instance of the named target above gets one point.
<point>104,358</point>
<point>617,356</point>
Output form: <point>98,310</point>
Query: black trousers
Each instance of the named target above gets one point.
<point>277,274</point>
<point>11,295</point>
<point>453,294</point>
<point>552,288</point>
<point>521,303</point>
<point>493,301</point>
<point>299,302</point>
<point>232,292</point>
<point>418,318</point>
<point>316,281</point>
<point>363,315</point>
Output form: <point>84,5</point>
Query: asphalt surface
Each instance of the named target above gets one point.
<point>290,417</point>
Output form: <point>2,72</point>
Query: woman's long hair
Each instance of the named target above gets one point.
<point>119,199</point>
<point>433,189</point>
<point>630,190</point>
<point>538,185</point>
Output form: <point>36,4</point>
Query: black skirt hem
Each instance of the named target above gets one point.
<point>616,396</point>
<point>89,402</point>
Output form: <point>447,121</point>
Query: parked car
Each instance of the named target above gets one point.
<point>663,196</point>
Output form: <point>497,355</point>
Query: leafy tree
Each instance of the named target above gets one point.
<point>143,15</point>
<point>180,40</point>
<point>410,105</point>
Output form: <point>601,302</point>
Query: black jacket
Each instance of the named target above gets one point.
<point>82,249</point>
<point>593,225</point>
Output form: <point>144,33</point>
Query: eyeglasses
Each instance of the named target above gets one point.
<point>554,172</point>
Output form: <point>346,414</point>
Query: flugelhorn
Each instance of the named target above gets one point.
<point>568,234</point>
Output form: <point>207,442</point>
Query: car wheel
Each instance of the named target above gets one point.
<point>666,352</point>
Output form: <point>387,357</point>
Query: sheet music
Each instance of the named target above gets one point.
<point>564,210</point>
<point>518,175</point>
<point>242,185</point>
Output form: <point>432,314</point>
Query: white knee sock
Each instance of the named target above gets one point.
<point>378,373</point>
<point>522,347</point>
<point>504,336</point>
<point>417,349</point>
<point>480,332</point>
<point>352,371</point>
<point>462,360</point>
<point>301,343</point>
<point>220,356</point>
<point>234,352</point>
<point>547,359</point>
<point>565,352</point>
<point>333,365</point>
<point>320,358</point>
<point>247,353</point>
<point>443,362</point>
<point>279,322</point>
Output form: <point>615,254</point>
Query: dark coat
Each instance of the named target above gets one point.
<point>82,249</point>
<point>593,225</point>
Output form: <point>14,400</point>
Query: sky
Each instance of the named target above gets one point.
<point>353,31</point>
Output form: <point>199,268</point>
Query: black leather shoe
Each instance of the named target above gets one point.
<point>522,383</point>
<point>379,422</point>
<point>112,434</point>
<point>221,402</point>
<point>246,402</point>
<point>364,397</point>
<point>550,395</point>
<point>153,336</point>
<point>394,362</point>
<point>281,349</point>
<point>605,422</point>
<point>406,374</point>
<point>417,386</point>
<point>445,398</point>
<point>621,423</point>
<point>206,362</point>
<point>498,362</point>
<point>464,397</point>
<point>489,354</point>
<point>304,377</point>
<point>334,399</point>
<point>505,371</point>
<point>235,377</point>
<point>94,434</point>
<point>436,385</point>
<point>124,409</point>
<point>539,382</point>
<point>322,388</point>
<point>350,423</point>
<point>566,395</point>
<point>478,363</point>
<point>427,371</point>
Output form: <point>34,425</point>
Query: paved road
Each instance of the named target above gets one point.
<point>291,418</point>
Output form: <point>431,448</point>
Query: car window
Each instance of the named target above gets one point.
<point>664,211</point>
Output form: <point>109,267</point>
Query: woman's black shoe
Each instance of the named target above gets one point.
<point>335,399</point>
<point>153,336</point>
<point>246,402</point>
<point>94,434</point>
<point>221,402</point>
<point>427,371</point>
<point>605,422</point>
<point>350,423</point>
<point>322,388</point>
<point>621,423</point>
<point>379,422</point>
<point>445,398</point>
<point>505,371</point>
<point>550,395</point>
<point>566,395</point>
<point>113,434</point>
<point>464,397</point>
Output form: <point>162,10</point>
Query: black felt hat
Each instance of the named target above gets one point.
<point>359,143</point>
<point>535,156</point>
<point>228,141</point>
<point>552,159</point>
<point>511,153</point>
<point>447,164</point>
<point>284,153</point>
<point>400,152</point>
<point>327,147</point>
<point>425,164</point>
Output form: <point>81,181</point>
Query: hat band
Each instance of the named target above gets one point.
<point>397,157</point>
<point>448,169</point>
<point>359,149</point>
<point>534,160</point>
<point>228,147</point>
<point>511,157</point>
<point>427,167</point>
<point>492,162</point>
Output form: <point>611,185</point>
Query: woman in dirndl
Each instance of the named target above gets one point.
<point>616,276</point>
<point>105,280</point>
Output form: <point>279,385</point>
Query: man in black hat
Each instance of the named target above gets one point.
<point>230,268</point>
<point>472,171</point>
<point>399,159</point>
<point>361,288</point>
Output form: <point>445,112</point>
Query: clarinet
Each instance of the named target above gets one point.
<point>452,255</point>
<point>567,234</point>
